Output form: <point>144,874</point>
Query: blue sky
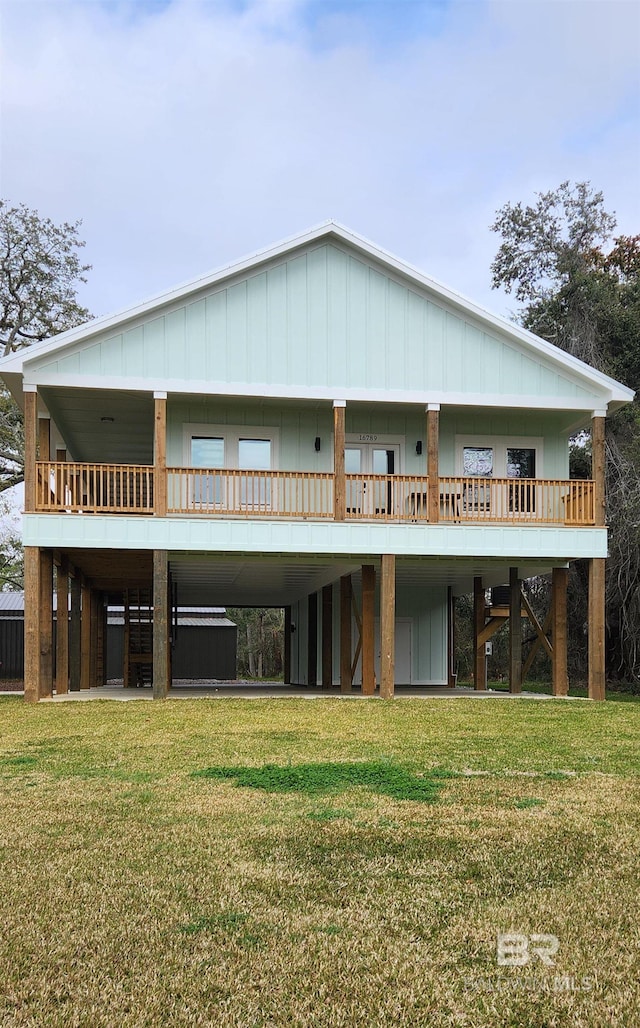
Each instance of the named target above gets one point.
<point>186,134</point>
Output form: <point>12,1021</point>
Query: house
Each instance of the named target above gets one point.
<point>319,427</point>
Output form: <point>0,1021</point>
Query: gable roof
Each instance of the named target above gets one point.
<point>613,392</point>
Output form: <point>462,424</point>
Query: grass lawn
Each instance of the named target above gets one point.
<point>318,862</point>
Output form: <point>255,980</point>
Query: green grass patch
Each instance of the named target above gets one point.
<point>296,886</point>
<point>382,777</point>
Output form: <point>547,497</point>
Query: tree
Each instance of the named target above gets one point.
<point>40,271</point>
<point>580,289</point>
<point>260,641</point>
<point>11,551</point>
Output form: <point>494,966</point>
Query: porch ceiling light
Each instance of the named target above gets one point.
<point>317,444</point>
<point>107,420</point>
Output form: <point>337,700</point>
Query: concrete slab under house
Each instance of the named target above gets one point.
<point>318,427</point>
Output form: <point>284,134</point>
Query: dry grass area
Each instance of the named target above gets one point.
<point>137,893</point>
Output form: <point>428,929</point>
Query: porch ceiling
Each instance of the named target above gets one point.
<point>211,579</point>
<point>253,580</point>
<point>78,414</point>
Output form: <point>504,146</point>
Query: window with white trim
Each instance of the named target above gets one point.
<point>232,448</point>
<point>499,456</point>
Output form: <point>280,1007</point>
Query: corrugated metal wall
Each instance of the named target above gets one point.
<point>201,652</point>
<point>11,647</point>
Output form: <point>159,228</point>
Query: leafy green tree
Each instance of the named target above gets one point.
<point>40,271</point>
<point>260,641</point>
<point>11,551</point>
<point>580,288</point>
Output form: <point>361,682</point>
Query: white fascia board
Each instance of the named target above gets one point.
<point>284,392</point>
<point>615,390</point>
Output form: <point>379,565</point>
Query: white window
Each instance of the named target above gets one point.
<point>499,456</point>
<point>247,447</point>
<point>231,449</point>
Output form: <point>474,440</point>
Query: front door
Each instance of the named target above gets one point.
<point>366,494</point>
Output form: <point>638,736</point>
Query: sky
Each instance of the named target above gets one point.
<point>187,134</point>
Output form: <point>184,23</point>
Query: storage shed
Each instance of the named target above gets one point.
<point>204,644</point>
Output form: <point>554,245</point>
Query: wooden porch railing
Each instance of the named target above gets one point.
<point>94,488</point>
<point>387,497</point>
<point>129,489</point>
<point>250,493</point>
<point>519,500</point>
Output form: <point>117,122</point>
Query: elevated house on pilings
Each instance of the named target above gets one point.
<point>319,427</point>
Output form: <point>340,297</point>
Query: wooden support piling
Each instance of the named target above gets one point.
<point>327,636</point>
<point>31,623</point>
<point>387,625</point>
<point>368,629</point>
<point>345,634</point>
<point>160,624</point>
<point>75,634</point>
<point>559,580</point>
<point>597,628</point>
<point>515,632</point>
<point>62,627</point>
<point>479,663</point>
<point>312,640</point>
<point>85,636</point>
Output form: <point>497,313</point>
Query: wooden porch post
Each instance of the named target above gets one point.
<point>596,628</point>
<point>327,636</point>
<point>598,459</point>
<point>160,624</point>
<point>312,640</point>
<point>30,443</point>
<point>286,670</point>
<point>451,638</point>
<point>339,484</point>
<point>31,623</point>
<point>85,636</point>
<point>62,627</point>
<point>368,629</point>
<point>345,633</point>
<point>515,632</point>
<point>75,634</point>
<point>95,640</point>
<point>479,663</point>
<point>433,467</point>
<point>160,454</point>
<point>559,580</point>
<point>46,623</point>
<point>388,625</point>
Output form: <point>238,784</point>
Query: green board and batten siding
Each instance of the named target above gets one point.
<point>322,318</point>
<point>299,426</point>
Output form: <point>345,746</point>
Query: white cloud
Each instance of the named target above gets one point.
<point>188,134</point>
